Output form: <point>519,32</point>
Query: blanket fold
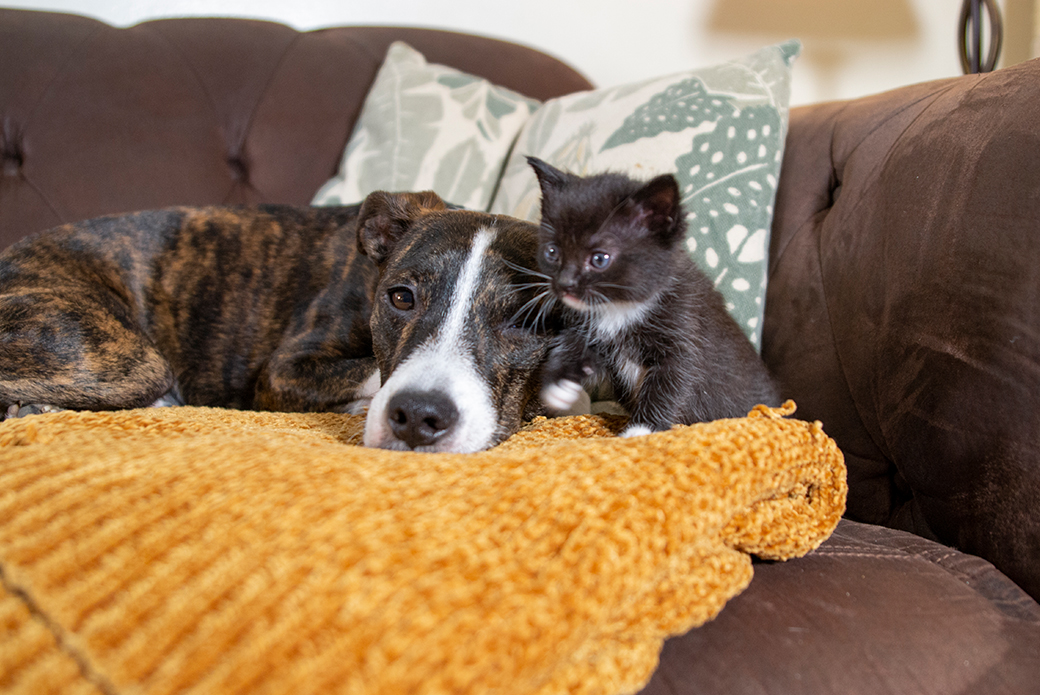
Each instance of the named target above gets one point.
<point>214,551</point>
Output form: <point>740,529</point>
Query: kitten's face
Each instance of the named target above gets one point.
<point>591,261</point>
<point>606,238</point>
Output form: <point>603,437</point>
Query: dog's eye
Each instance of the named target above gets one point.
<point>402,298</point>
<point>551,253</point>
<point>600,260</point>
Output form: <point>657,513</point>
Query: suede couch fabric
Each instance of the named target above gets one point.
<point>905,240</point>
<point>871,612</point>
<point>99,120</point>
<point>903,306</point>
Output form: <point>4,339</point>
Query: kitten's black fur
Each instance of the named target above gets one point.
<point>640,313</point>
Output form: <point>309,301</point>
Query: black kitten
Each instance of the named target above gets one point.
<point>639,311</point>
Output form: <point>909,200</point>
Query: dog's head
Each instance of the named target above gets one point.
<point>455,324</point>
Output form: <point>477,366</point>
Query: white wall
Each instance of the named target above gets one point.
<point>852,47</point>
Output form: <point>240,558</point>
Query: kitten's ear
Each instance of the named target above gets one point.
<point>659,205</point>
<point>385,217</point>
<point>549,177</point>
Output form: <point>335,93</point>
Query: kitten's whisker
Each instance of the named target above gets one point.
<point>530,305</point>
<point>513,289</point>
<point>615,286</point>
<point>527,307</point>
<point>527,271</point>
<point>536,305</point>
<point>587,320</point>
<point>541,305</point>
<point>597,298</point>
<point>545,309</point>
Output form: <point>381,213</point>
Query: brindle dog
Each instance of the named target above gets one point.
<point>280,308</point>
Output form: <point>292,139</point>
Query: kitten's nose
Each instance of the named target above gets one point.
<point>566,288</point>
<point>567,281</point>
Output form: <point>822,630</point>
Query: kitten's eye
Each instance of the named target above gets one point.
<point>600,260</point>
<point>552,254</point>
<point>402,298</point>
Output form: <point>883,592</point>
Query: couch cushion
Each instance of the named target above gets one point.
<point>904,305</point>
<point>719,129</point>
<point>872,611</point>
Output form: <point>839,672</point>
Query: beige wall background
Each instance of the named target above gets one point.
<point>851,47</point>
<point>1035,52</point>
<point>1021,30</point>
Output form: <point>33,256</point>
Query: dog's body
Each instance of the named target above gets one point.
<point>280,308</point>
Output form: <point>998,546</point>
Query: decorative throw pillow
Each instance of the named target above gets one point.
<point>429,127</point>
<point>720,130</point>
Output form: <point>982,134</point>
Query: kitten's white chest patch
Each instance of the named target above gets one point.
<point>631,372</point>
<point>611,318</point>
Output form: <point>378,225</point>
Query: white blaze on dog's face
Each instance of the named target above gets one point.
<point>458,365</point>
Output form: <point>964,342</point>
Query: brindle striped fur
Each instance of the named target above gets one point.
<point>257,308</point>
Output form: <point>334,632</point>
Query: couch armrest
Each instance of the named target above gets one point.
<point>903,307</point>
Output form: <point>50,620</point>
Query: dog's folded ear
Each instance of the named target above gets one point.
<point>385,217</point>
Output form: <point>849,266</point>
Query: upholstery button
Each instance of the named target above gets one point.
<point>237,165</point>
<point>12,162</point>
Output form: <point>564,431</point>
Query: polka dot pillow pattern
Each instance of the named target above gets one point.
<point>720,130</point>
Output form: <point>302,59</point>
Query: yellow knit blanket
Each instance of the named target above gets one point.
<point>211,551</point>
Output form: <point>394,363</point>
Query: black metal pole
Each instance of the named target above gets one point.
<point>976,35</point>
<point>969,37</point>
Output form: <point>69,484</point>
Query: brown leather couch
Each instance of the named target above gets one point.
<point>903,309</point>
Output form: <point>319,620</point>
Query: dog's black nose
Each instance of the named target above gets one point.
<point>420,418</point>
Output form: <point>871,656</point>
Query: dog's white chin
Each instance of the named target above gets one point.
<point>429,369</point>
<point>454,377</point>
<point>440,447</point>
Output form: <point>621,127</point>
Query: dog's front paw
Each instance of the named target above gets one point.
<point>358,407</point>
<point>22,409</point>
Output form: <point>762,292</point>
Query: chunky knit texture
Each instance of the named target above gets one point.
<point>212,551</point>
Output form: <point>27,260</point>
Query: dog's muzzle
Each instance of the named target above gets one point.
<point>421,418</point>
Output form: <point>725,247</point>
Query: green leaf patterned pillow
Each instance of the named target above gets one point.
<point>428,127</point>
<point>720,130</point>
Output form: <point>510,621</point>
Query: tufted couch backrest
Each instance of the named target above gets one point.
<point>97,120</point>
<point>903,307</point>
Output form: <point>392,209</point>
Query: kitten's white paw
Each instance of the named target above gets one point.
<point>635,431</point>
<point>582,406</point>
<point>561,395</point>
